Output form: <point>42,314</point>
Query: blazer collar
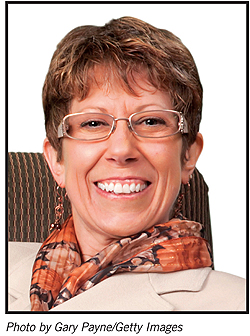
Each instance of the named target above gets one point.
<point>136,291</point>
<point>190,280</point>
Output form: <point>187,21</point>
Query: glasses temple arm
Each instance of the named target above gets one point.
<point>60,132</point>
<point>184,124</point>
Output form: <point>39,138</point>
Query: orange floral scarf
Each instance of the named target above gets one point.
<point>59,273</point>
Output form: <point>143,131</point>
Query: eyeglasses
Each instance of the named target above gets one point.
<point>91,126</point>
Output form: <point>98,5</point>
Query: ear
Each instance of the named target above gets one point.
<point>192,155</point>
<point>56,168</point>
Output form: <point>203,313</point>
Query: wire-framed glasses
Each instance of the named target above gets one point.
<point>91,126</point>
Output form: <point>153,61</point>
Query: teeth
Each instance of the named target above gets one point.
<point>101,186</point>
<point>111,186</point>
<point>126,189</point>
<point>117,188</point>
<point>132,187</point>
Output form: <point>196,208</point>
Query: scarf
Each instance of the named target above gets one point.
<point>59,272</point>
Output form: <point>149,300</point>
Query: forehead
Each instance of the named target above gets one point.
<point>111,97</point>
<point>109,78</point>
<point>106,80</point>
<point>110,92</point>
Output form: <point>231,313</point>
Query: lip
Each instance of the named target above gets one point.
<point>119,179</point>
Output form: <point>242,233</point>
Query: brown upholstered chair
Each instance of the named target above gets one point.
<point>32,198</point>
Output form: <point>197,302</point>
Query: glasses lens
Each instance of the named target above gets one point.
<point>88,126</point>
<point>156,124</point>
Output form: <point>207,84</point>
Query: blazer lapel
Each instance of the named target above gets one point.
<point>190,280</point>
<point>136,291</point>
<point>120,292</point>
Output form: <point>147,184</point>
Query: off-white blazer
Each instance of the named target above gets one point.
<point>192,290</point>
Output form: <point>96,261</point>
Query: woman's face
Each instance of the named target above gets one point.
<point>122,159</point>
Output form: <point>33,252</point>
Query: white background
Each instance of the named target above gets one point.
<point>216,36</point>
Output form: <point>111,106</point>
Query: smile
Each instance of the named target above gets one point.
<point>122,188</point>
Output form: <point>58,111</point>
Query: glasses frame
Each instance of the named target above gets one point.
<point>183,126</point>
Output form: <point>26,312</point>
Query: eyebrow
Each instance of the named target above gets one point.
<point>153,106</point>
<point>140,108</point>
<point>100,109</point>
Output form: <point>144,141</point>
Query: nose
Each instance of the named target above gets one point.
<point>122,149</point>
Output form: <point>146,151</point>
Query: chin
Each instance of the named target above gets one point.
<point>123,228</point>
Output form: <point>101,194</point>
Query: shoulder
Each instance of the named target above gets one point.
<point>228,288</point>
<point>28,248</point>
<point>201,289</point>
<point>226,280</point>
<point>21,257</point>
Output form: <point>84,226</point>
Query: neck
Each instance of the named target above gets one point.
<point>90,241</point>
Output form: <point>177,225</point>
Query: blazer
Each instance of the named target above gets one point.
<point>200,289</point>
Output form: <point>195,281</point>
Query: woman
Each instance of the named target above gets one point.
<point>122,109</point>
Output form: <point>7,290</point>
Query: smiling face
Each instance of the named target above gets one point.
<point>124,184</point>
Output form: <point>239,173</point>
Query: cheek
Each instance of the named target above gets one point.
<point>167,162</point>
<point>80,151</point>
<point>79,159</point>
<point>166,158</point>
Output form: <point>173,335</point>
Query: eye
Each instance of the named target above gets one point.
<point>93,123</point>
<point>152,121</point>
